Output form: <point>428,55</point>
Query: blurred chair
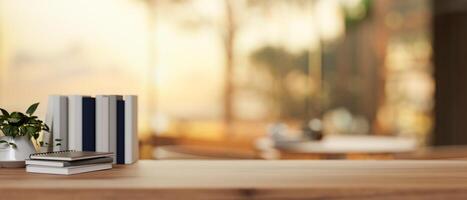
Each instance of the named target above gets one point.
<point>340,147</point>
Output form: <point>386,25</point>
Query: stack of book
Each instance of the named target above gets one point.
<point>105,123</point>
<point>68,162</point>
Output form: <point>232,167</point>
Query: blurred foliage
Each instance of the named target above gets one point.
<point>278,64</point>
<point>357,13</point>
<point>278,61</point>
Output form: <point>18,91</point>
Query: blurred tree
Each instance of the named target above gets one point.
<point>227,31</point>
<point>280,64</point>
<point>229,39</point>
<point>151,6</point>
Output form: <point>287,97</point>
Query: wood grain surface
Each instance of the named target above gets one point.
<point>255,179</point>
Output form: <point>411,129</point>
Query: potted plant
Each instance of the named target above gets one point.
<point>18,131</point>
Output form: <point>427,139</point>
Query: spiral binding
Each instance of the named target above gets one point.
<point>51,153</point>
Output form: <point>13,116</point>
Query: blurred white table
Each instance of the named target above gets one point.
<point>337,147</point>
<point>338,144</point>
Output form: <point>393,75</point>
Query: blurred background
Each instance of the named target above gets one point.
<point>252,79</point>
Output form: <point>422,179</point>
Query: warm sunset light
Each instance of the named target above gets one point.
<point>213,70</point>
<point>233,99</point>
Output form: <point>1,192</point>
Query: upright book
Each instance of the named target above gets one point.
<point>102,123</point>
<point>131,129</point>
<point>59,122</point>
<point>47,137</point>
<point>106,112</point>
<point>82,123</point>
<point>113,124</point>
<point>120,153</point>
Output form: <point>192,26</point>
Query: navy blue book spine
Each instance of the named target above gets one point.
<point>120,132</point>
<point>89,124</point>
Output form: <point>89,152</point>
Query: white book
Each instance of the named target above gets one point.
<point>75,122</point>
<point>113,124</point>
<point>131,129</point>
<point>106,123</point>
<point>47,137</point>
<point>102,123</point>
<point>67,170</point>
<point>60,123</point>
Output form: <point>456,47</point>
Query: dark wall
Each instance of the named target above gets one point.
<point>450,71</point>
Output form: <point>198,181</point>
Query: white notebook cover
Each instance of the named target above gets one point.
<point>67,170</point>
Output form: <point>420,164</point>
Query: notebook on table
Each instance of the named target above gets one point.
<point>67,170</point>
<point>58,163</point>
<point>69,155</point>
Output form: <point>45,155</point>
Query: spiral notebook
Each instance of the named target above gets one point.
<point>69,155</point>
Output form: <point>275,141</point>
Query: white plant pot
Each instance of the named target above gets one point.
<point>14,157</point>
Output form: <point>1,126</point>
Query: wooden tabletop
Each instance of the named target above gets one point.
<point>247,180</point>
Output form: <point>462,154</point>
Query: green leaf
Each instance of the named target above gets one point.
<point>45,128</point>
<point>10,130</point>
<point>12,145</point>
<point>30,130</point>
<point>12,120</point>
<point>14,131</point>
<point>33,120</point>
<point>16,118</point>
<point>7,129</point>
<point>35,136</point>
<point>4,112</point>
<point>32,108</point>
<point>16,115</point>
<point>9,143</point>
<point>23,130</point>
